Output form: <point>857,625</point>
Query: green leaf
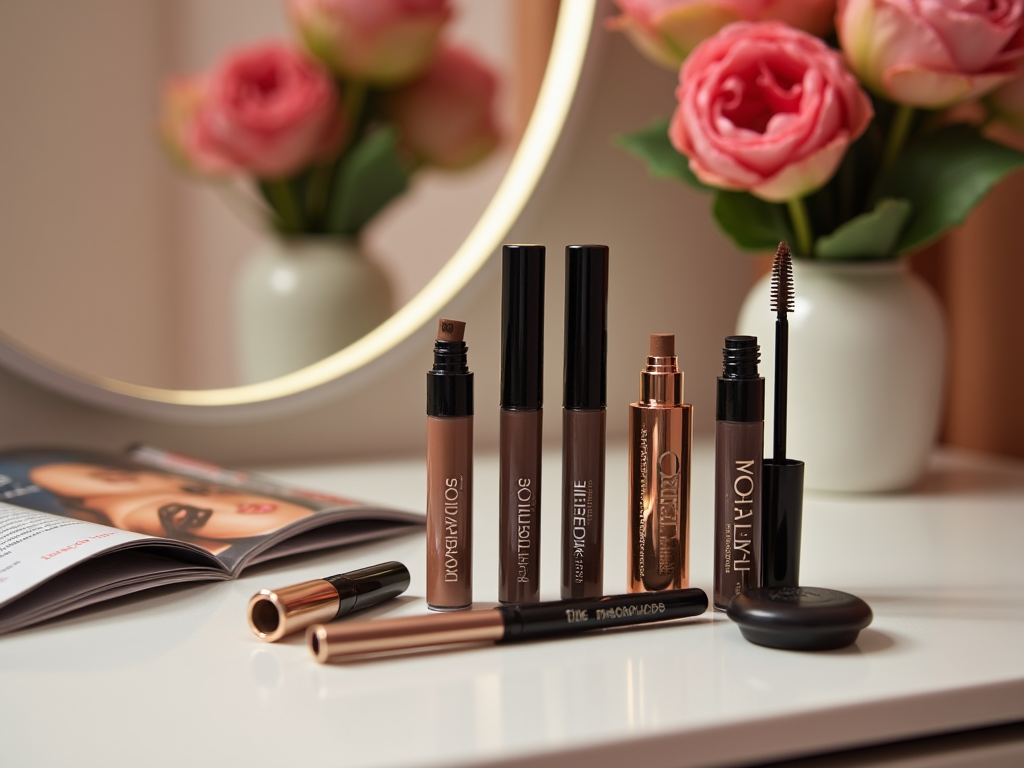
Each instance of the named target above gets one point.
<point>752,223</point>
<point>371,176</point>
<point>944,176</point>
<point>663,160</point>
<point>871,235</point>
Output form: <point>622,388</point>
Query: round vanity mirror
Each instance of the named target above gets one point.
<point>124,274</point>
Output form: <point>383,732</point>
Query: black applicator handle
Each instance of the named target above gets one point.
<point>783,478</point>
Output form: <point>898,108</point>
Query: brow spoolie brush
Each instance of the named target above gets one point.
<point>783,477</point>
<point>782,305</point>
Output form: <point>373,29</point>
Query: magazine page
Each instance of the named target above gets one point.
<point>329,520</point>
<point>232,515</point>
<point>36,546</point>
<point>50,564</point>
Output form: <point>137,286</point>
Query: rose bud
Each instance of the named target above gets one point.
<point>767,109</point>
<point>446,117</point>
<point>180,104</point>
<point>667,30</point>
<point>383,42</point>
<point>269,110</point>
<point>931,54</point>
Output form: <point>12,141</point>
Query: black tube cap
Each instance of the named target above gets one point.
<point>586,327</point>
<point>799,618</point>
<point>782,511</point>
<point>522,326</point>
<point>369,586</point>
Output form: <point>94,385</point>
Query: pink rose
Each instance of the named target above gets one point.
<point>182,99</point>
<point>446,117</point>
<point>767,109</point>
<point>269,110</point>
<point>667,30</point>
<point>384,42</point>
<point>931,53</point>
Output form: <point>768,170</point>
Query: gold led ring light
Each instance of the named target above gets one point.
<point>565,63</point>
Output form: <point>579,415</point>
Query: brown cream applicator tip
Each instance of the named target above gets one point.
<point>663,345</point>
<point>450,330</point>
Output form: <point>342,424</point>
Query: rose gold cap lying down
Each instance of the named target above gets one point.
<point>274,613</point>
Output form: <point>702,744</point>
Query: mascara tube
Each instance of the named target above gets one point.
<point>450,472</point>
<point>660,428</point>
<point>739,453</point>
<point>521,421</point>
<point>583,420</point>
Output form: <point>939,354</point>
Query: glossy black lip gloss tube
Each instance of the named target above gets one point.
<point>521,422</point>
<point>583,420</point>
<point>504,624</point>
<point>739,455</point>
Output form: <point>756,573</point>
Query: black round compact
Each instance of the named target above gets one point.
<point>799,618</point>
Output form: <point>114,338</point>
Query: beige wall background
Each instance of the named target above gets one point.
<point>671,271</point>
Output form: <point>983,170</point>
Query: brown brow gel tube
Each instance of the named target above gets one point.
<point>661,435</point>
<point>522,385</point>
<point>353,640</point>
<point>449,472</point>
<point>739,450</point>
<point>583,420</point>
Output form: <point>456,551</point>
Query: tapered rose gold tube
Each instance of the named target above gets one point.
<point>333,642</point>
<point>449,473</point>
<point>660,427</point>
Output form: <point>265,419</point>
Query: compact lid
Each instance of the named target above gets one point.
<point>586,326</point>
<point>522,326</point>
<point>799,618</point>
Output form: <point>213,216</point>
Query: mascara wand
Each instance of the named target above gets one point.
<point>782,305</point>
<point>782,501</point>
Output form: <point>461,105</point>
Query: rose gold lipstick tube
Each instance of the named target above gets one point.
<point>660,428</point>
<point>450,472</point>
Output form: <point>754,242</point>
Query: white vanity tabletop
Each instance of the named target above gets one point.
<point>174,677</point>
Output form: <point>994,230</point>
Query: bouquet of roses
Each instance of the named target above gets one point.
<point>853,130</point>
<point>331,129</point>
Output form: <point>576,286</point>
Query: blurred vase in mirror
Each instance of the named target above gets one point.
<point>299,300</point>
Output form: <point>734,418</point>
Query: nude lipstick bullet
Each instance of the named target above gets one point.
<point>450,472</point>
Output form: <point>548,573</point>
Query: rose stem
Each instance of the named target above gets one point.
<point>898,133</point>
<point>279,193</point>
<point>801,226</point>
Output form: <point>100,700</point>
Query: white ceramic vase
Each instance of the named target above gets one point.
<point>866,364</point>
<point>299,300</point>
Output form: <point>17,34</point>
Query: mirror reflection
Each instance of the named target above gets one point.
<point>185,184</point>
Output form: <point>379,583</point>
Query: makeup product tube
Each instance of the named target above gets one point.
<point>449,472</point>
<point>274,613</point>
<point>660,428</point>
<point>522,390</point>
<point>739,452</point>
<point>583,420</point>
<point>504,624</point>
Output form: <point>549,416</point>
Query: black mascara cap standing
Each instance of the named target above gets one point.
<point>782,502</point>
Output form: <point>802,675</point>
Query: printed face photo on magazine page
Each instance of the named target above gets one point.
<point>162,505</point>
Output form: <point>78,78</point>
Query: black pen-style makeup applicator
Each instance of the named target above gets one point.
<point>783,477</point>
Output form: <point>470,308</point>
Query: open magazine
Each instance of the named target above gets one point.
<point>78,527</point>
